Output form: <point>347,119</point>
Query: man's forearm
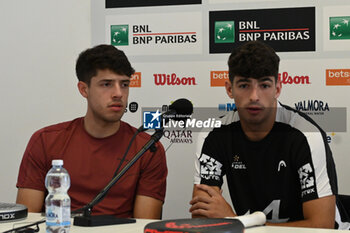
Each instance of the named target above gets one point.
<point>304,223</point>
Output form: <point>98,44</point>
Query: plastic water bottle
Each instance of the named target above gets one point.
<point>57,202</point>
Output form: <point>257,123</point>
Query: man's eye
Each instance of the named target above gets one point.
<point>125,84</point>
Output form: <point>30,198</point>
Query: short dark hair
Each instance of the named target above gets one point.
<point>102,57</point>
<point>253,59</point>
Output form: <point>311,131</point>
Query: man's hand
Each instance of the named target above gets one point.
<point>207,201</point>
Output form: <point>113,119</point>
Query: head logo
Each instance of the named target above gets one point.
<point>337,77</point>
<point>173,79</point>
<point>135,80</point>
<point>119,35</point>
<point>218,78</point>
<point>224,32</point>
<point>151,120</point>
<point>339,28</point>
<point>285,78</point>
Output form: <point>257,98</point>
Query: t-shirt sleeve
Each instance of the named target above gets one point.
<point>33,167</point>
<point>311,165</point>
<point>152,182</point>
<point>208,165</point>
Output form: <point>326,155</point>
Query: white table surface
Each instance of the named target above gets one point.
<point>140,223</point>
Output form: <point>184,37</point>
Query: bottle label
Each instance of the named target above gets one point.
<point>57,216</point>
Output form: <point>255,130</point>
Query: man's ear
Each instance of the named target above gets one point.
<point>83,89</point>
<point>278,88</point>
<point>228,87</point>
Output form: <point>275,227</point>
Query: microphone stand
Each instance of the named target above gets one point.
<point>100,220</point>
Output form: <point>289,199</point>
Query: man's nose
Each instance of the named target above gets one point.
<point>254,94</point>
<point>117,91</point>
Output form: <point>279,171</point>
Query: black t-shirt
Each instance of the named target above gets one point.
<point>291,165</point>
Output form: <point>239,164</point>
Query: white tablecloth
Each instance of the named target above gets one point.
<point>140,223</point>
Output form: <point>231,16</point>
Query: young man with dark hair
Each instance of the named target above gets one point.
<point>276,159</point>
<point>93,146</point>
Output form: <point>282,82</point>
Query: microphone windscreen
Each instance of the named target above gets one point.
<point>182,106</point>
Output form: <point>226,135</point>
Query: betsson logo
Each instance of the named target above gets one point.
<point>218,78</point>
<point>173,79</point>
<point>338,77</point>
<point>285,78</point>
<point>135,80</point>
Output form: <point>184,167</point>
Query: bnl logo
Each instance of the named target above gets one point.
<point>151,120</point>
<point>119,35</point>
<point>227,107</point>
<point>224,32</point>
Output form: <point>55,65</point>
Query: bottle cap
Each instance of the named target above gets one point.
<point>57,162</point>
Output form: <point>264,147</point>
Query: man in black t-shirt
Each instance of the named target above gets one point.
<point>275,159</point>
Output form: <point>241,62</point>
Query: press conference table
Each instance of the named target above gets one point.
<point>140,223</point>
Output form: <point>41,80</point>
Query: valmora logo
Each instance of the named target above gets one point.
<point>339,28</point>
<point>173,79</point>
<point>285,78</point>
<point>337,77</point>
<point>119,35</point>
<point>135,80</point>
<point>312,107</point>
<point>218,78</point>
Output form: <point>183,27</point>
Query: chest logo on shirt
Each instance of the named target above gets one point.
<point>281,164</point>
<point>236,164</point>
<point>210,168</point>
<point>307,180</point>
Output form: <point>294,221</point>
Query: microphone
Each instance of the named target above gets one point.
<point>178,111</point>
<point>180,106</point>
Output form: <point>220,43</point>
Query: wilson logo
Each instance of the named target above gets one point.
<point>285,78</point>
<point>173,79</point>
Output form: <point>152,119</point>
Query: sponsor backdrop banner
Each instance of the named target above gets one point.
<point>286,30</point>
<point>146,34</point>
<point>179,49</point>
<point>136,3</point>
<point>336,33</point>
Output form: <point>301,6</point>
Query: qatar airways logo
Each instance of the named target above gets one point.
<point>173,80</point>
<point>286,78</point>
